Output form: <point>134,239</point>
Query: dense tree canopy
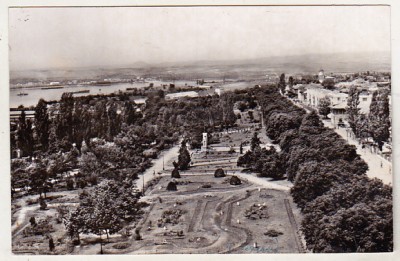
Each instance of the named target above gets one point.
<point>344,210</point>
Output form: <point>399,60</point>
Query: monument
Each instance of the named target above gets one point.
<point>204,145</point>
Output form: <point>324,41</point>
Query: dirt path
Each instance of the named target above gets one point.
<point>163,160</point>
<point>195,216</point>
<point>295,229</point>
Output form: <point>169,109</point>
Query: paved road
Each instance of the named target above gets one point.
<point>379,167</point>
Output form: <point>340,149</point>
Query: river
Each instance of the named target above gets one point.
<point>35,94</point>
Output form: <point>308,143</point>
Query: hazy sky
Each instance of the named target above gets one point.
<point>75,37</point>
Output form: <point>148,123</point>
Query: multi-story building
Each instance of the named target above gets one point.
<point>313,94</point>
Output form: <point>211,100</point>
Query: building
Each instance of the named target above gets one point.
<point>178,95</point>
<point>321,76</point>
<point>338,113</point>
<point>218,91</point>
<point>365,99</point>
<point>313,93</point>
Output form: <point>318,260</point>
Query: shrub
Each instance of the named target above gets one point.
<point>70,184</point>
<point>42,228</point>
<point>219,173</point>
<point>32,220</point>
<point>172,186</point>
<point>43,204</point>
<point>31,202</point>
<point>137,234</point>
<point>175,174</point>
<point>51,244</point>
<point>256,212</point>
<point>121,245</point>
<point>235,181</point>
<point>273,233</point>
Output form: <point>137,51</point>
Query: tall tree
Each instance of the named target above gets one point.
<point>25,140</point>
<point>282,83</point>
<point>324,106</point>
<point>42,124</point>
<point>183,157</point>
<point>65,120</point>
<point>255,142</point>
<point>291,81</point>
<point>228,115</point>
<point>352,109</point>
<point>379,118</point>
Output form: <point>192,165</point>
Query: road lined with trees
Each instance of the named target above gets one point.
<point>344,210</point>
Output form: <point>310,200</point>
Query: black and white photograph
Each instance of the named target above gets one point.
<point>199,129</point>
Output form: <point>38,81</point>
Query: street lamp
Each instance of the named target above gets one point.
<point>163,163</point>
<point>143,184</point>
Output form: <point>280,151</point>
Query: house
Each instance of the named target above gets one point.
<point>338,113</point>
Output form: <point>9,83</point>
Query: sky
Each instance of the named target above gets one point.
<point>121,36</point>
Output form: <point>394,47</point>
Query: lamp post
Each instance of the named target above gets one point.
<point>163,163</point>
<point>101,245</point>
<point>143,184</point>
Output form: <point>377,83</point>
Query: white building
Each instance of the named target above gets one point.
<point>338,101</point>
<point>178,95</point>
<point>218,91</point>
<point>321,76</point>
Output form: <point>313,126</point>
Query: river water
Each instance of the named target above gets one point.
<point>35,94</point>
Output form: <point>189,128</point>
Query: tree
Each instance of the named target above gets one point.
<point>363,126</point>
<point>183,157</point>
<point>89,165</point>
<point>228,116</point>
<point>282,83</point>
<point>175,174</point>
<point>352,109</point>
<point>324,106</point>
<point>38,179</point>
<point>32,220</point>
<point>379,118</point>
<point>255,142</point>
<point>25,135</point>
<point>70,184</point>
<point>51,244</point>
<point>64,123</point>
<point>104,211</point>
<point>291,81</point>
<point>43,204</point>
<point>77,222</point>
<point>42,124</point>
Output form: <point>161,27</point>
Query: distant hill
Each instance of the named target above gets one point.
<point>307,63</point>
